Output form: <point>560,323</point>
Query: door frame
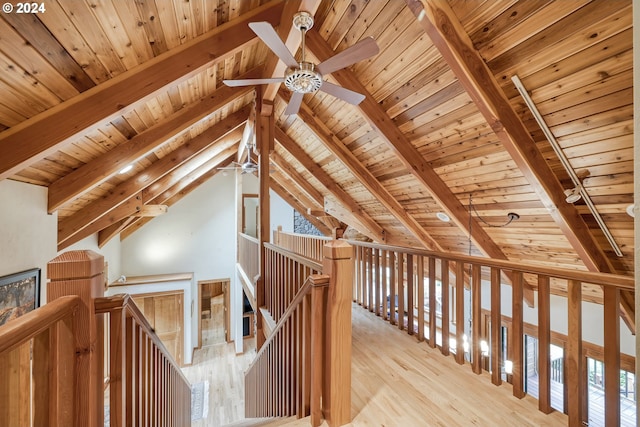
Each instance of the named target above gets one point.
<point>225,291</point>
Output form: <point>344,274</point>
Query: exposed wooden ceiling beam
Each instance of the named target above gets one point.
<point>74,224</point>
<point>410,156</point>
<point>44,134</point>
<point>332,143</point>
<point>447,34</point>
<point>125,210</point>
<point>367,225</point>
<point>100,169</point>
<point>173,195</point>
<point>295,191</point>
<point>445,30</point>
<point>298,178</point>
<point>336,209</point>
<point>294,203</point>
<point>113,230</point>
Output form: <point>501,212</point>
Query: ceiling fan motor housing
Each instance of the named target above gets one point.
<point>304,79</point>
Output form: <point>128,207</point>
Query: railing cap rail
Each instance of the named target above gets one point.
<point>25,327</point>
<point>604,279</point>
<point>309,236</point>
<point>308,262</point>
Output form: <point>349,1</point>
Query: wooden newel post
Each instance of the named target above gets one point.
<point>81,273</point>
<point>336,402</point>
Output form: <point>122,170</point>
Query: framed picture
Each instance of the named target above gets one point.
<point>19,294</point>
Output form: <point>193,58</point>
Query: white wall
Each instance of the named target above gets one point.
<point>281,214</point>
<point>197,235</point>
<point>28,235</point>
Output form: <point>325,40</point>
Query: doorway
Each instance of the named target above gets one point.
<point>213,312</point>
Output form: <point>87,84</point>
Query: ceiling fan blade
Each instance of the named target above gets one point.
<point>249,82</point>
<point>346,95</point>
<point>294,104</point>
<point>270,37</point>
<point>364,49</point>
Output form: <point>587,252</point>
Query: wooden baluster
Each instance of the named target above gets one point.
<point>129,355</point>
<point>401,290</point>
<point>117,344</point>
<point>370,279</point>
<point>496,327</point>
<point>432,303</point>
<point>517,354</point>
<point>44,397</point>
<point>611,356</point>
<point>410,290</point>
<point>445,290</point>
<point>476,316</point>
<point>544,345</point>
<point>460,312</point>
<point>376,283</point>
<point>358,277</point>
<point>386,298</point>
<point>420,297</point>
<point>318,296</point>
<point>393,295</point>
<point>574,362</point>
<point>374,278</point>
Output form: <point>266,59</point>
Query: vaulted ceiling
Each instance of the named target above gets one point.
<point>88,87</point>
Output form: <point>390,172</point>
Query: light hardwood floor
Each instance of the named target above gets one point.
<point>396,381</point>
<point>217,363</point>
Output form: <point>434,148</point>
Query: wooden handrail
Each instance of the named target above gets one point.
<point>39,352</point>
<point>308,262</point>
<point>604,279</point>
<point>399,285</point>
<point>285,377</point>
<point>146,385</point>
<point>303,244</point>
<point>24,328</point>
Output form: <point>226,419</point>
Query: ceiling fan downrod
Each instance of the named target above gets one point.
<point>304,79</point>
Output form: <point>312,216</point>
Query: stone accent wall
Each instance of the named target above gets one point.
<point>302,226</point>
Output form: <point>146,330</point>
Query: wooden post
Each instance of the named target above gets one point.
<point>573,356</point>
<point>496,328</point>
<point>544,343</point>
<point>611,356</point>
<point>81,273</point>
<point>337,369</point>
<point>516,352</point>
<point>265,143</point>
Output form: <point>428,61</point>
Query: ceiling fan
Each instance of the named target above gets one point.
<point>306,77</point>
<point>247,167</point>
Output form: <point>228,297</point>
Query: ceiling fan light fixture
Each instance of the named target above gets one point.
<point>304,79</point>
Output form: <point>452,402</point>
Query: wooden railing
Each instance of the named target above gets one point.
<point>38,356</point>
<point>404,286</point>
<point>146,386</point>
<point>285,379</point>
<point>249,256</point>
<point>303,244</point>
<point>285,272</point>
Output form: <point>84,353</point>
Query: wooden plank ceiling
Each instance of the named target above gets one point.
<point>88,87</point>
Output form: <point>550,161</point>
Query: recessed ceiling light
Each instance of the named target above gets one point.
<point>443,217</point>
<point>126,169</point>
<point>631,211</point>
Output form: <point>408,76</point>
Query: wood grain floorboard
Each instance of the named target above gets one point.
<point>396,382</point>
